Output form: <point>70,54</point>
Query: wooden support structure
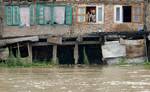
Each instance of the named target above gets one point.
<point>29,51</point>
<point>54,54</point>
<point>76,53</point>
<point>18,50</point>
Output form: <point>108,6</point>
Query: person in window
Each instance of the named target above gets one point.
<point>92,16</point>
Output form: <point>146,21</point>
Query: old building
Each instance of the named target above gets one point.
<point>67,22</point>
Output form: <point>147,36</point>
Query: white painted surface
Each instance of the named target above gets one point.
<point>25,16</point>
<point>113,50</point>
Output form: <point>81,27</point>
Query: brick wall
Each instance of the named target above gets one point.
<point>110,26</point>
<point>76,29</point>
<point>108,17</point>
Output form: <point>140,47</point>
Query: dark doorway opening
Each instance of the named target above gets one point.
<point>42,53</point>
<point>127,13</point>
<point>93,52</point>
<point>65,54</point>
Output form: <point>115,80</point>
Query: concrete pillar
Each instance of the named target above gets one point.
<point>55,54</point>
<point>76,53</point>
<point>29,51</point>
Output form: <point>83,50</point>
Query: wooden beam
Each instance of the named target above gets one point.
<point>66,43</point>
<point>4,42</point>
<point>29,51</point>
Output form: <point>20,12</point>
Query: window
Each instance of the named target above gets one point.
<point>81,14</point>
<point>24,16</point>
<point>118,14</point>
<point>43,14</point>
<point>54,14</point>
<point>127,13</point>
<point>59,15</point>
<point>19,16</point>
<point>123,14</point>
<point>12,15</point>
<point>137,14</point>
<point>100,14</point>
<point>90,14</point>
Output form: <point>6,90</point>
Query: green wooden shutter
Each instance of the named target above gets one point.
<point>40,14</point>
<point>52,13</point>
<point>69,15</point>
<point>32,17</point>
<point>8,15</point>
<point>16,15</point>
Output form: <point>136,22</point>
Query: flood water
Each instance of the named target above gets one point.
<point>76,79</point>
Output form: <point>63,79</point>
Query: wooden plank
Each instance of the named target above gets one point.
<point>134,48</point>
<point>54,39</point>
<point>4,42</point>
<point>134,51</point>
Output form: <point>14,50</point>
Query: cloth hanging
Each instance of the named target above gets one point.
<point>59,13</point>
<point>25,16</point>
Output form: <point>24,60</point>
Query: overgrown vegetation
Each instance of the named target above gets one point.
<point>54,62</point>
<point>122,61</point>
<point>86,61</point>
<point>146,64</point>
<point>17,61</point>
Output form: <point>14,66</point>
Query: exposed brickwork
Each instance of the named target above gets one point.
<point>109,13</point>
<point>109,24</point>
<point>76,29</point>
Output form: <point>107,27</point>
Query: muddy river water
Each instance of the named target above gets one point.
<point>76,79</point>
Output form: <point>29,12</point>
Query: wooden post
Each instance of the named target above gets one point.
<point>76,53</point>
<point>18,50</point>
<point>55,54</point>
<point>29,51</point>
<point>145,29</point>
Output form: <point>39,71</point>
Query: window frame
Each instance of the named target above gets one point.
<point>121,14</point>
<point>13,15</point>
<point>132,14</point>
<point>52,14</point>
<point>97,17</point>
<point>79,15</point>
<point>97,7</point>
<point>140,15</point>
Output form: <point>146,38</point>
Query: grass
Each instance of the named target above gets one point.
<point>17,61</point>
<point>147,64</point>
<point>122,61</point>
